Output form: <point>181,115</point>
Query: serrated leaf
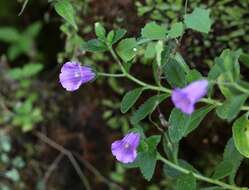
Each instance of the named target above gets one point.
<point>241,135</point>
<point>199,20</point>
<point>94,45</point>
<point>186,181</point>
<point>178,123</point>
<point>147,108</point>
<point>65,9</point>
<point>153,31</point>
<point>175,73</point>
<point>130,99</point>
<point>176,30</point>
<point>231,107</point>
<point>126,49</point>
<point>147,164</point>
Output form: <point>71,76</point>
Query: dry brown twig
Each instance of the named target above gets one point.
<point>69,154</point>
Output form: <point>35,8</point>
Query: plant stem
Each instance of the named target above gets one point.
<point>110,75</point>
<point>199,176</point>
<point>161,88</point>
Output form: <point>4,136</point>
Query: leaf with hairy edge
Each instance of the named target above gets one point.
<point>130,99</point>
<point>147,108</point>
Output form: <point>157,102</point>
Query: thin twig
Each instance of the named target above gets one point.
<point>66,152</point>
<point>52,167</point>
<point>91,168</point>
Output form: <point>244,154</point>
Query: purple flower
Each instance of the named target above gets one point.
<point>185,98</point>
<point>73,75</point>
<point>125,150</point>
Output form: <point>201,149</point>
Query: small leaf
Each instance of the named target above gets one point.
<point>153,31</point>
<point>176,30</point>
<point>100,31</point>
<point>118,34</point>
<point>9,35</point>
<point>178,123</point>
<point>199,20</point>
<point>175,73</point>
<point>65,9</point>
<point>186,181</point>
<point>94,45</point>
<point>231,107</point>
<point>147,108</point>
<point>130,99</point>
<point>224,169</point>
<point>126,49</point>
<point>241,135</point>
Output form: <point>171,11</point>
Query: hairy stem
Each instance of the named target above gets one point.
<point>199,176</point>
<point>161,88</point>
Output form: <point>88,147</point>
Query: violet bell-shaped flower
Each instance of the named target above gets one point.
<point>185,98</point>
<point>73,75</point>
<point>125,150</point>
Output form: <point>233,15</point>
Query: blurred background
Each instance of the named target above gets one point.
<point>51,139</point>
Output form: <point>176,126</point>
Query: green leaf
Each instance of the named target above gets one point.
<point>100,31</point>
<point>126,49</point>
<point>147,108</point>
<point>13,175</point>
<point>147,159</point>
<point>224,169</point>
<point>231,107</point>
<point>172,172</point>
<point>94,45</point>
<point>231,152</point>
<point>175,73</point>
<point>9,35</point>
<point>197,117</point>
<point>181,124</point>
<point>153,31</point>
<point>130,99</point>
<point>118,34</point>
<point>153,141</point>
<point>193,75</point>
<point>147,164</point>
<point>176,30</point>
<point>27,71</point>
<point>199,20</point>
<point>178,123</point>
<point>150,50</point>
<point>65,9</point>
<point>241,135</point>
<point>186,181</point>
<point>244,58</point>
